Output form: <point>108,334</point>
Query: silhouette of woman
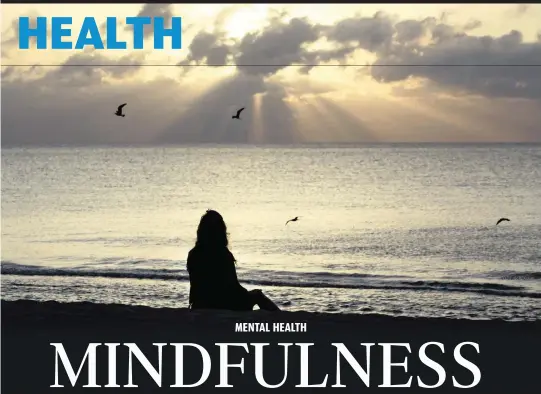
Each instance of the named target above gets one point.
<point>213,277</point>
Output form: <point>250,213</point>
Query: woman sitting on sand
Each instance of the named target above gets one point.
<point>213,277</point>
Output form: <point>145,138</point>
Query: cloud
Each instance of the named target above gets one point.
<point>93,68</point>
<point>7,72</point>
<point>10,36</point>
<point>491,71</point>
<point>44,112</point>
<point>208,48</point>
<point>425,48</point>
<point>72,104</point>
<point>8,43</point>
<point>521,9</point>
<point>436,51</point>
<point>371,34</point>
<point>472,25</point>
<point>154,10</point>
<point>276,47</point>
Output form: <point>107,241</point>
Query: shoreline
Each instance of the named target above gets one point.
<point>29,310</point>
<point>508,357</point>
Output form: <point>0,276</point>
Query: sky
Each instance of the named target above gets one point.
<point>305,73</point>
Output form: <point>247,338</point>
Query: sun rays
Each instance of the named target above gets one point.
<point>256,134</point>
<point>277,114</point>
<point>188,100</point>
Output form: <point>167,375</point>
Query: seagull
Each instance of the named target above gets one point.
<point>502,220</point>
<point>237,116</point>
<point>292,220</point>
<point>119,110</point>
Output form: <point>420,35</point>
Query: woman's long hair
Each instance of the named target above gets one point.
<point>212,231</point>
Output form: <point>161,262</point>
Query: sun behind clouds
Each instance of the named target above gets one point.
<point>300,71</point>
<point>246,19</point>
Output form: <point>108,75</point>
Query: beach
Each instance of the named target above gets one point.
<point>366,177</point>
<point>392,229</point>
<point>395,244</point>
<point>508,358</point>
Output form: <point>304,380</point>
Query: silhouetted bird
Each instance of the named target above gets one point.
<point>292,220</point>
<point>237,116</point>
<point>119,110</point>
<point>502,220</point>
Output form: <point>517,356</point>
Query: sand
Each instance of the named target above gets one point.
<point>509,357</point>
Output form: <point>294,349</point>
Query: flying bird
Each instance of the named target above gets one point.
<point>502,220</point>
<point>237,116</point>
<point>119,110</point>
<point>292,220</point>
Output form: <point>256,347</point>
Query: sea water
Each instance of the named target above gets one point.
<point>391,229</point>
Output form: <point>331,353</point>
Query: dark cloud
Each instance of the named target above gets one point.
<point>265,52</point>
<point>472,25</point>
<point>271,49</point>
<point>207,48</point>
<point>72,104</point>
<point>276,47</point>
<point>372,34</point>
<point>92,68</point>
<point>314,58</point>
<point>212,47</point>
<point>438,52</point>
<point>503,66</point>
<point>201,45</point>
<point>443,32</point>
<point>397,44</point>
<point>410,31</point>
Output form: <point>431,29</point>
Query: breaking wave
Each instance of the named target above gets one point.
<point>300,279</point>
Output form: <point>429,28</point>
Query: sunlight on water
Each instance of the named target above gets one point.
<point>379,225</point>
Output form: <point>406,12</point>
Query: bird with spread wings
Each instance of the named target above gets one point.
<point>119,110</point>
<point>237,116</point>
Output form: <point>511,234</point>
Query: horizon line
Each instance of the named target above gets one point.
<point>263,144</point>
<point>268,65</point>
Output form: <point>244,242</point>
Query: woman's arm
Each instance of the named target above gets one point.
<point>191,267</point>
<point>239,295</point>
<point>232,272</point>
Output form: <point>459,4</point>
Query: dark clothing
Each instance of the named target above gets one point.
<point>213,281</point>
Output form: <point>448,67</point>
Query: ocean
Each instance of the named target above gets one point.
<point>402,230</point>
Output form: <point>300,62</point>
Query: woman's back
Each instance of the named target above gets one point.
<point>213,277</point>
<point>213,280</point>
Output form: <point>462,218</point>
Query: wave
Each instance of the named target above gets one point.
<point>34,270</point>
<point>512,275</point>
<point>291,279</point>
